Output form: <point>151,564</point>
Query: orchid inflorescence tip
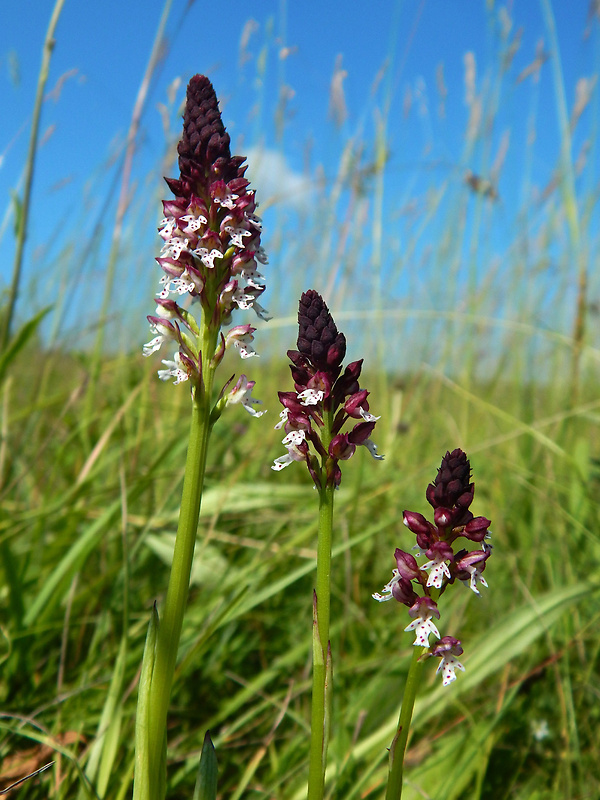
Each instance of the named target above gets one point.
<point>324,399</point>
<point>419,587</point>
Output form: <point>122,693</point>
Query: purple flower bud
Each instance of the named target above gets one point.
<point>425,540</point>
<point>452,480</point>
<point>476,529</point>
<point>442,517</point>
<point>447,644</point>
<point>416,522</point>
<point>441,550</point>
<point>300,377</point>
<point>407,565</point>
<point>403,592</point>
<point>465,500</point>
<point>356,402</point>
<point>289,400</point>
<point>341,448</point>
<point>298,359</point>
<point>347,384</point>
<point>361,432</point>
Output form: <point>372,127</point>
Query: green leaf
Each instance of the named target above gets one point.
<point>104,749</point>
<point>144,786</point>
<point>208,569</point>
<point>206,782</point>
<point>71,562</point>
<point>19,340</point>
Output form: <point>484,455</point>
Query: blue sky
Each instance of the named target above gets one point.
<point>102,50</point>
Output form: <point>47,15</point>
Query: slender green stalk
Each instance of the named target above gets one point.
<point>569,198</point>
<point>23,208</point>
<point>177,593</point>
<point>171,619</point>
<point>321,690</point>
<point>398,747</point>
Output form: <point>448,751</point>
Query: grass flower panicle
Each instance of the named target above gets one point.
<point>211,249</point>
<point>324,398</point>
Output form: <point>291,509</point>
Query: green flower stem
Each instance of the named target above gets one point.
<point>321,689</point>
<point>319,718</point>
<point>398,747</point>
<point>171,619</point>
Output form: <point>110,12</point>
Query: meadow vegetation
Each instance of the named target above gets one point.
<point>92,454</point>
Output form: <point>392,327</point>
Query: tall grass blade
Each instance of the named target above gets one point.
<point>106,744</point>
<point>24,205</point>
<point>19,340</point>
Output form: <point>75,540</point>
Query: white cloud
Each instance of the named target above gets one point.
<point>276,182</point>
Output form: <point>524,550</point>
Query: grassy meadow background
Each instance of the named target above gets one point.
<point>475,304</point>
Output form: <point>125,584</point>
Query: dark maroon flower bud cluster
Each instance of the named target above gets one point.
<point>204,154</point>
<point>211,240</point>
<point>319,340</point>
<point>450,496</point>
<point>325,398</point>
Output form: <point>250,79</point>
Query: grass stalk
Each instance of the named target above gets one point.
<point>569,199</point>
<point>22,210</point>
<point>157,53</point>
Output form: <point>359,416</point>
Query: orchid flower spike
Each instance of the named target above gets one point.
<point>211,249</point>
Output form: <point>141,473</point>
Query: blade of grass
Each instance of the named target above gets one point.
<point>20,339</point>
<point>23,215</point>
